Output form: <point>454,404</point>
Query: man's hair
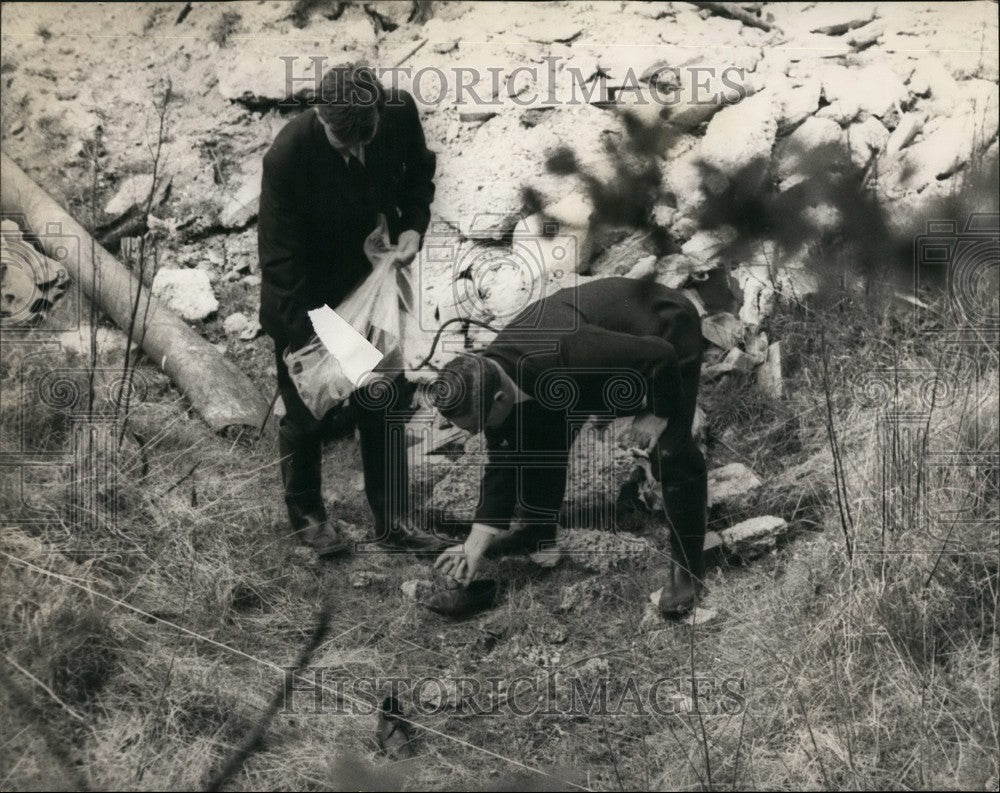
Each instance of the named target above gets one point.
<point>465,387</point>
<point>350,101</point>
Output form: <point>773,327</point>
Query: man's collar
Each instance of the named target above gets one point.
<point>344,151</point>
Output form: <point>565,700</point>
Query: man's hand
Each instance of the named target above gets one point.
<point>645,431</point>
<point>407,248</point>
<point>461,562</point>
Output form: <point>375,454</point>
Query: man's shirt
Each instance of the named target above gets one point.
<point>612,347</point>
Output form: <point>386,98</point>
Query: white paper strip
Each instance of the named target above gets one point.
<point>357,357</point>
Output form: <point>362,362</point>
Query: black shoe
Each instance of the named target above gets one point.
<point>404,536</point>
<point>522,541</point>
<point>317,533</point>
<point>393,733</point>
<point>680,593</point>
<point>460,602</point>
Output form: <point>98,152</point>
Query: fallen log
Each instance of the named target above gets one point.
<point>218,391</point>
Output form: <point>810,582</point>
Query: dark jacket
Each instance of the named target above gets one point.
<point>617,335</point>
<point>315,212</point>
<point>611,347</point>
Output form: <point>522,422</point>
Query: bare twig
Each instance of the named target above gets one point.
<point>840,483</point>
<point>410,54</point>
<point>280,696</point>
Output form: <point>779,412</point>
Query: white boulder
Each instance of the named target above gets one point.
<point>187,292</point>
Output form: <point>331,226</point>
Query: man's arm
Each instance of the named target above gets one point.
<point>420,163</point>
<point>279,241</point>
<point>496,508</point>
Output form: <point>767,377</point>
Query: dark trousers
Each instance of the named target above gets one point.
<point>379,410</point>
<point>677,463</point>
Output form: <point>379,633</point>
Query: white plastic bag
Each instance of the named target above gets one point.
<point>378,310</point>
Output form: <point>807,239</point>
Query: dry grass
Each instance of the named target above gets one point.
<point>160,636</point>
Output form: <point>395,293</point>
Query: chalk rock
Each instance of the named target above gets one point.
<point>644,267</point>
<point>873,90</point>
<point>547,557</point>
<point>758,294</point>
<point>602,551</point>
<point>866,138</point>
<point>477,182</point>
<point>241,204</point>
<point>807,46</point>
<point>946,147</point>
<point>239,324</point>
<point>755,536</point>
<point>572,211</point>
<point>736,361</point>
<point>650,10</point>
<point>932,79</point>
<point>187,292</point>
<point>416,589</point>
<point>391,12</point>
<point>257,76</point>
<point>795,100</point>
<point>440,36</point>
<point>560,31</point>
<point>833,19</point>
<point>708,243</point>
<point>756,348</point>
<point>651,619</point>
<point>723,330</point>
<point>740,135</point>
<point>696,101</point>
<point>864,37</point>
<point>908,127</point>
<point>365,578</point>
<point>675,269</point>
<point>815,141</point>
<point>769,375</point>
<point>235,324</point>
<point>731,482</point>
<point>682,178</point>
<point>700,616</point>
<point>134,191</point>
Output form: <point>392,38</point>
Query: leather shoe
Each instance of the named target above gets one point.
<point>404,536</point>
<point>317,533</point>
<point>680,593</point>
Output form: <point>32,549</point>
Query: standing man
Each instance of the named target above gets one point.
<point>358,152</point>
<point>614,346</point>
